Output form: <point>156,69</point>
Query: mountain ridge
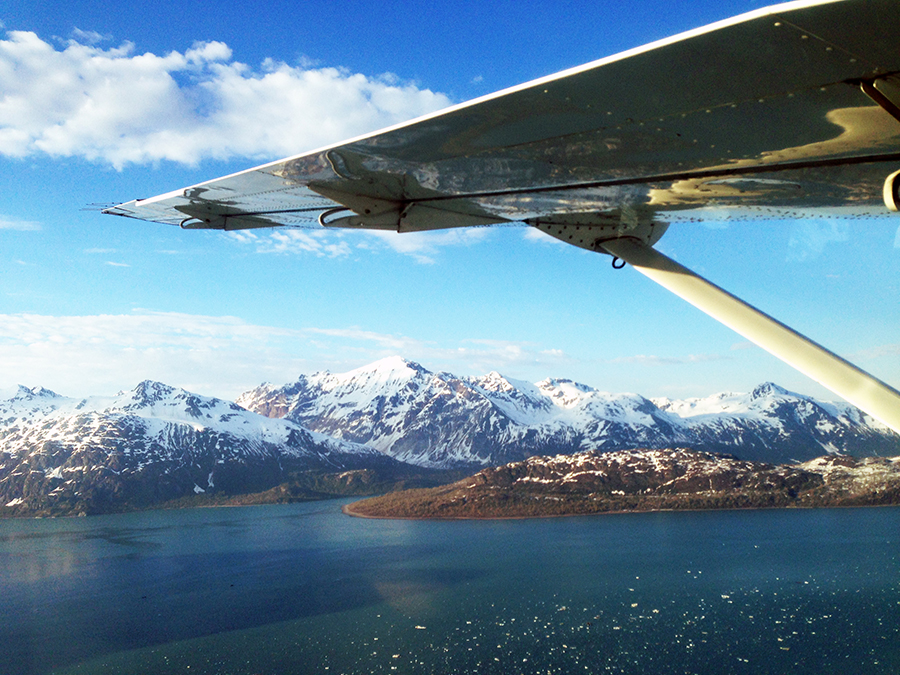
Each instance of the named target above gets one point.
<point>149,445</point>
<point>373,428</point>
<point>443,420</point>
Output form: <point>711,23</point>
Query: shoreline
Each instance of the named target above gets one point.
<point>347,511</point>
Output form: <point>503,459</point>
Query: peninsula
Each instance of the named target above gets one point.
<point>644,480</point>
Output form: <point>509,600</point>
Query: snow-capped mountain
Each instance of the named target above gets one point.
<point>441,420</point>
<point>148,445</point>
<point>775,425</point>
<point>157,443</point>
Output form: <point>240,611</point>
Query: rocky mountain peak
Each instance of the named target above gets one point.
<point>24,393</point>
<point>769,390</point>
<point>441,420</point>
<point>565,391</point>
<point>149,392</point>
<point>494,381</point>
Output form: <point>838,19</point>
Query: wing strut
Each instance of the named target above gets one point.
<point>828,369</point>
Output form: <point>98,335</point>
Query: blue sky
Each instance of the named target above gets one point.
<point>102,104</point>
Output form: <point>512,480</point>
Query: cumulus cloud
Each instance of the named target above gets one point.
<point>116,106</point>
<point>219,355</point>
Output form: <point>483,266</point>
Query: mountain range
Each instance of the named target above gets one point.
<point>150,445</point>
<point>443,421</point>
<point>389,423</point>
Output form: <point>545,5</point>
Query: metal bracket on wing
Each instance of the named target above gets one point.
<point>371,213</point>
<point>590,230</point>
<point>885,91</point>
<point>215,216</point>
<point>828,369</point>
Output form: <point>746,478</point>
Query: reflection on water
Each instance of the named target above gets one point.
<point>304,589</point>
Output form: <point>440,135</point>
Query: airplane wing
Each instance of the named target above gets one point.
<point>788,111</point>
<point>760,115</point>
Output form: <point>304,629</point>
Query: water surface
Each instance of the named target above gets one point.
<point>304,589</point>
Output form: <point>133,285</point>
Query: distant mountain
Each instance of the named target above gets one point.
<point>370,430</point>
<point>644,480</point>
<point>441,420</point>
<point>149,445</point>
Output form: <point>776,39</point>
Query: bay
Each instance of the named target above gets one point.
<point>305,589</point>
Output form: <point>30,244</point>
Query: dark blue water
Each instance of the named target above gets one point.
<point>304,589</point>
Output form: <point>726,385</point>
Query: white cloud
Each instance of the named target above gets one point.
<point>395,343</point>
<point>318,242</point>
<point>118,107</point>
<point>16,224</point>
<point>534,234</point>
<point>810,237</point>
<point>504,355</point>
<point>89,37</point>
<point>652,360</point>
<point>738,346</point>
<point>421,246</point>
<point>877,352</point>
<point>221,356</point>
<point>82,355</point>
